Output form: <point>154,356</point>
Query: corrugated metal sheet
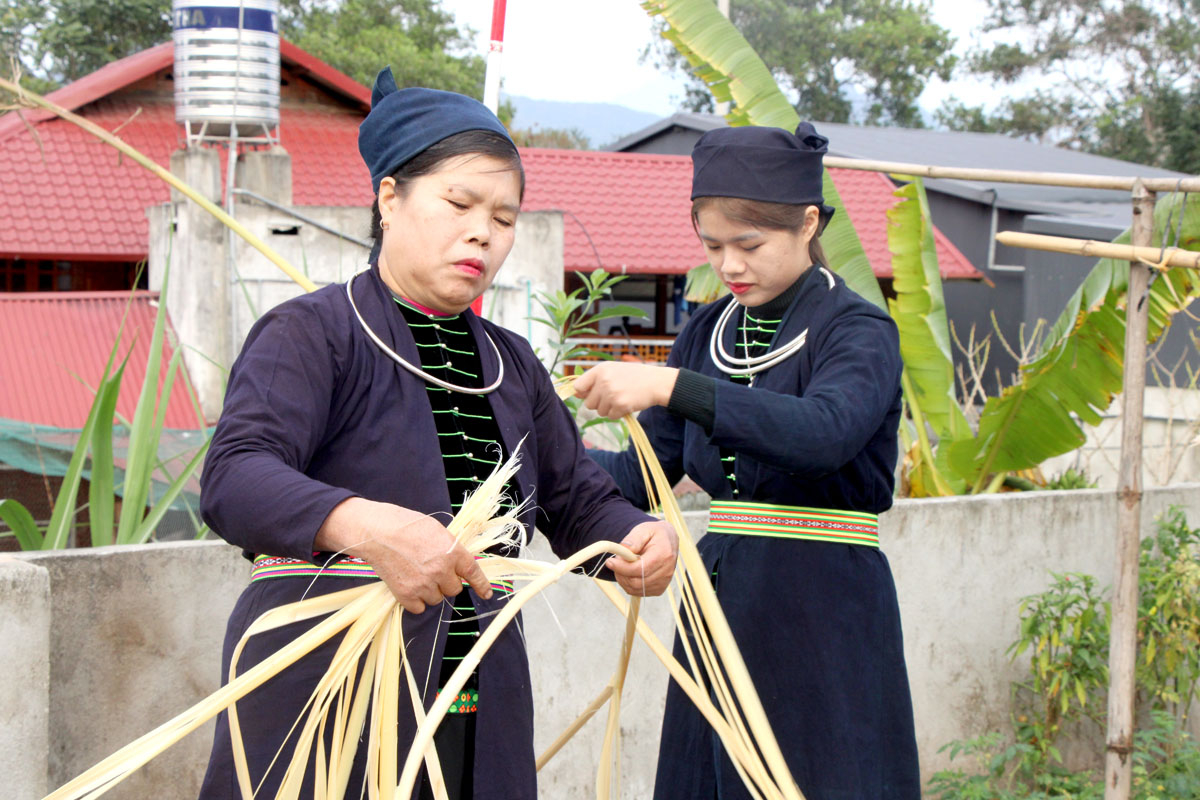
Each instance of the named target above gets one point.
<point>53,347</point>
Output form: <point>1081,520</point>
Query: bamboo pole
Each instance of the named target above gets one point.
<point>1122,654</point>
<point>1072,179</point>
<point>1164,257</point>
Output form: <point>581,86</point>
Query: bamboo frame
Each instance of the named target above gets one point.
<point>1151,256</point>
<point>1069,179</point>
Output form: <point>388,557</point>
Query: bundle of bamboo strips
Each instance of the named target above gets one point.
<point>361,690</point>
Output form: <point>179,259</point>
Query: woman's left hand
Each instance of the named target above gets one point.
<point>656,547</point>
<point>614,389</point>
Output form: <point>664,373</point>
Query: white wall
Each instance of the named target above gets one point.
<point>131,636</point>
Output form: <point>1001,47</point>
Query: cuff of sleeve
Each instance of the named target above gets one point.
<point>694,398</point>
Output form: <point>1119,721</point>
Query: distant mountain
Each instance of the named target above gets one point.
<point>602,123</point>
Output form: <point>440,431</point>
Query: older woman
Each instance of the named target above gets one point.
<point>359,416</point>
<point>783,403</point>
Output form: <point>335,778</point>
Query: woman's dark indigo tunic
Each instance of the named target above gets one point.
<point>817,622</point>
<point>315,413</point>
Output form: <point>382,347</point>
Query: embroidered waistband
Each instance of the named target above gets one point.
<point>467,702</point>
<point>266,567</point>
<point>793,522</point>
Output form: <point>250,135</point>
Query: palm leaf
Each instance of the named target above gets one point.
<point>726,62</point>
<point>1079,369</point>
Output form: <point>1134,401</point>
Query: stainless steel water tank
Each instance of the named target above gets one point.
<point>227,64</point>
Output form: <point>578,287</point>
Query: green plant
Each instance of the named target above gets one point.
<point>140,511</point>
<point>1071,478</point>
<point>1065,631</point>
<point>574,314</point>
<point>1166,761</point>
<point>571,315</point>
<point>1168,668</point>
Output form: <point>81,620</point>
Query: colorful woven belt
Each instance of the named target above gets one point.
<point>793,522</point>
<point>467,702</point>
<point>266,567</point>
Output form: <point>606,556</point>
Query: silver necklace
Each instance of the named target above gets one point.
<point>751,365</point>
<point>414,369</point>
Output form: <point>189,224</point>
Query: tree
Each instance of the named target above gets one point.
<point>63,40</point>
<point>59,41</point>
<point>823,52</point>
<point>1115,78</point>
<point>417,37</point>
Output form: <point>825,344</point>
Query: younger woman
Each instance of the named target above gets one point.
<point>783,403</point>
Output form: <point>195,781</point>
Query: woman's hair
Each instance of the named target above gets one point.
<point>764,214</point>
<point>429,160</point>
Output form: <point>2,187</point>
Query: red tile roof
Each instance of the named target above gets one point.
<point>56,345</point>
<point>630,212</point>
<point>77,198</point>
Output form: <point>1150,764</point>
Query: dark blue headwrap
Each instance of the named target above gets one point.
<point>404,122</point>
<point>756,163</point>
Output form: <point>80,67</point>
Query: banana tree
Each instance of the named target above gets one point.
<point>1073,379</point>
<point>722,57</point>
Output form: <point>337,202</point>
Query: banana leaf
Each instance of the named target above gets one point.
<point>1079,368</point>
<point>725,61</point>
<point>919,310</point>
<point>702,285</point>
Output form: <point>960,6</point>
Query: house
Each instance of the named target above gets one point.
<point>1021,286</point>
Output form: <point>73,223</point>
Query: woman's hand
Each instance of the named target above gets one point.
<point>413,553</point>
<point>657,547</point>
<point>614,389</point>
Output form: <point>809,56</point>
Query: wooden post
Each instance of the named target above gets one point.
<point>1122,653</point>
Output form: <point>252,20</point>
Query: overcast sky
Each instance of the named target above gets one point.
<point>577,51</point>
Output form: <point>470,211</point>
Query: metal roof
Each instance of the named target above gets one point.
<point>958,149</point>
<point>55,348</point>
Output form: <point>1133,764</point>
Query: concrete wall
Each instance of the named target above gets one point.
<point>131,636</point>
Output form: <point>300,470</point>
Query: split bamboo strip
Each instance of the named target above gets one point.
<point>1151,256</point>
<point>564,737</point>
<point>722,659</point>
<point>469,663</point>
<point>610,751</point>
<point>166,175</point>
<point>1072,179</point>
<point>718,626</point>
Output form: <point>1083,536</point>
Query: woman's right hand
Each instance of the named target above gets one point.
<point>412,552</point>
